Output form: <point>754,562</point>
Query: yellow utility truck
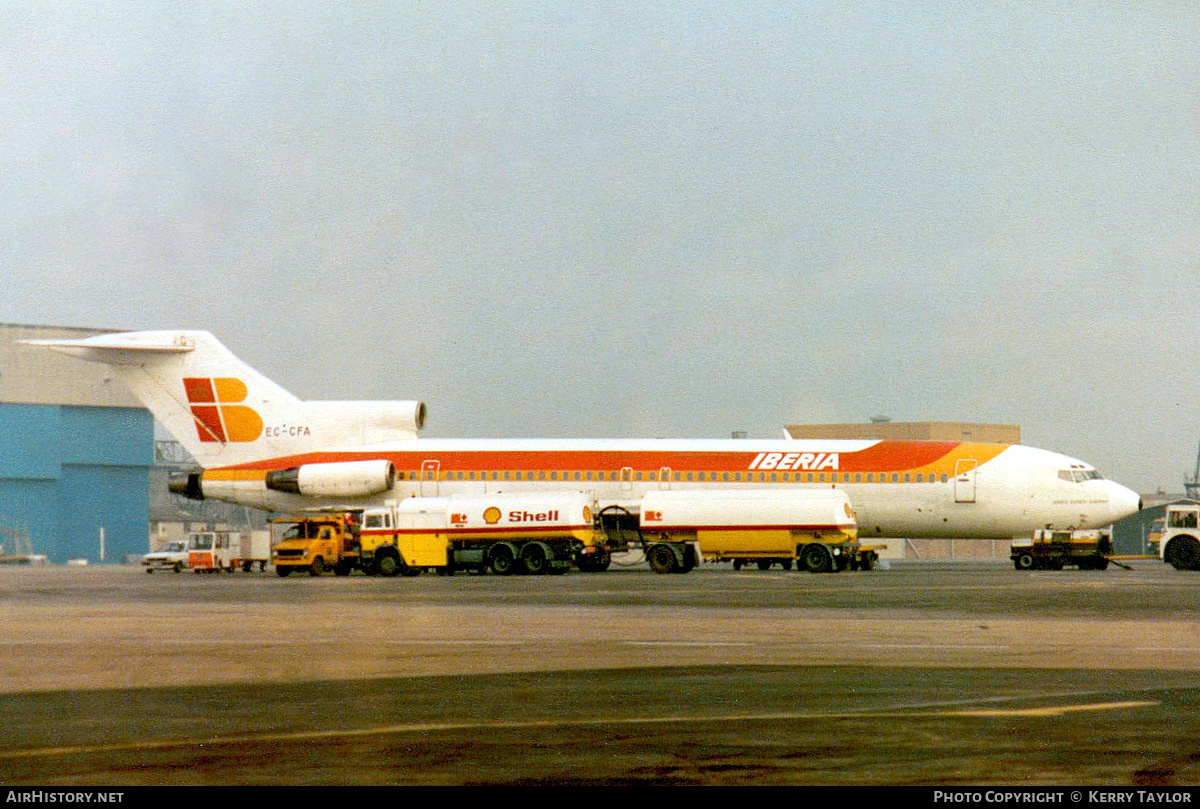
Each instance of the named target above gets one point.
<point>316,543</point>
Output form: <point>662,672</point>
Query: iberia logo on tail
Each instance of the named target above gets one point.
<point>219,417</point>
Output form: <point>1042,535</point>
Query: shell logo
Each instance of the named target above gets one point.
<point>492,515</point>
<point>587,514</point>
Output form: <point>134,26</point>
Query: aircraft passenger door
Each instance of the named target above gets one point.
<point>664,478</point>
<point>964,480</point>
<point>430,472</point>
<point>626,478</point>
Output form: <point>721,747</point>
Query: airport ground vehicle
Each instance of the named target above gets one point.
<point>317,543</point>
<point>1179,543</point>
<point>172,556</point>
<point>814,529</point>
<point>529,533</point>
<point>1053,550</point>
<point>214,551</point>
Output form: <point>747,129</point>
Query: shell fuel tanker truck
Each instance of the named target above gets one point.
<point>547,534</point>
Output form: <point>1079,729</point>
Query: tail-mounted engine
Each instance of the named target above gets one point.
<point>343,479</point>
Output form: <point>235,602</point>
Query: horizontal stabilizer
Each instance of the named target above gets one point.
<point>121,349</point>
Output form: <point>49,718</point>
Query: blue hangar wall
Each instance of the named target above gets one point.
<point>66,472</point>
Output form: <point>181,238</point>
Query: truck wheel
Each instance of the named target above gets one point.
<point>503,560</point>
<point>1024,562</point>
<point>317,567</point>
<point>661,558</point>
<point>387,564</point>
<point>689,560</point>
<point>866,561</point>
<point>149,570</point>
<point>786,564</point>
<point>737,563</point>
<point>765,564</point>
<point>1183,553</point>
<point>817,559</point>
<point>282,571</point>
<point>535,558</point>
<point>342,569</point>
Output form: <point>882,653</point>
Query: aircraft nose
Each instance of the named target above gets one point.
<point>1122,502</point>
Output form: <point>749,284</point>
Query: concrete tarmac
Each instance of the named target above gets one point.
<point>924,673</point>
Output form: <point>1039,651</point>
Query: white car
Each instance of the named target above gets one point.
<point>173,556</point>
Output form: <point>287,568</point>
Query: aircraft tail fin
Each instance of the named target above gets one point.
<point>214,404</point>
<point>224,412</point>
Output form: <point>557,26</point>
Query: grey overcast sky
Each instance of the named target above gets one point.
<point>634,219</point>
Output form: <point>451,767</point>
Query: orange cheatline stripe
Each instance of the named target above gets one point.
<point>934,458</point>
<point>885,458</point>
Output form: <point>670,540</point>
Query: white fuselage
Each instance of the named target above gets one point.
<point>898,489</point>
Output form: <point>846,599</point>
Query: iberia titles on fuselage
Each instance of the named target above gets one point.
<point>261,446</point>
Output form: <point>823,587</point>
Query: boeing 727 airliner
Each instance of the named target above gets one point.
<point>261,446</point>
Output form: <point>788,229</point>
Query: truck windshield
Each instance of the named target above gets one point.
<point>201,542</point>
<point>302,530</point>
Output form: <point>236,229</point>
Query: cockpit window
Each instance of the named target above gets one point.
<point>1079,475</point>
